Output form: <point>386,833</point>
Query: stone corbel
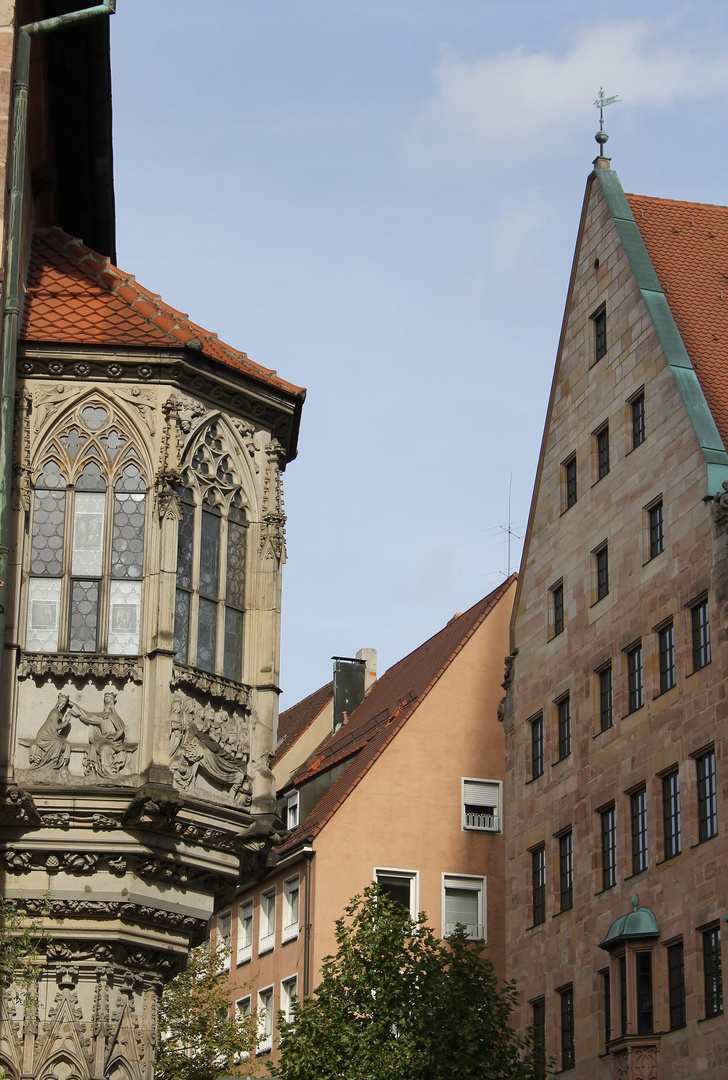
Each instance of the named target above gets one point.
<point>720,506</point>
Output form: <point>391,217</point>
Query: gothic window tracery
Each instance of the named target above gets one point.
<point>211,555</point>
<point>87,538</point>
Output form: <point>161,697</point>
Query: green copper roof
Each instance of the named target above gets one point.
<point>690,390</point>
<point>639,923</point>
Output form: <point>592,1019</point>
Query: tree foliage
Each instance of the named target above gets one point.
<point>397,1002</point>
<point>199,1037</point>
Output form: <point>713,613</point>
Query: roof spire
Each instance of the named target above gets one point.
<point>601,103</point>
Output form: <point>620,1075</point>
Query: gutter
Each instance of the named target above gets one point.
<point>11,310</point>
<point>308,854</point>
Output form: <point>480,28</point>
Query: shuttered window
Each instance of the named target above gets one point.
<point>482,805</point>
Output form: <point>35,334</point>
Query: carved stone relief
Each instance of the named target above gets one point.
<point>20,497</point>
<point>720,506</point>
<point>209,743</point>
<point>79,667</point>
<point>273,524</point>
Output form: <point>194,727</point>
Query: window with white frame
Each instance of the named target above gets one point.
<point>291,890</point>
<point>267,930</point>
<point>245,931</point>
<point>243,1009</point>
<point>224,930</point>
<point>265,1020</point>
<point>291,810</point>
<point>289,997</point>
<point>463,901</point>
<point>481,800</point>
<point>400,885</point>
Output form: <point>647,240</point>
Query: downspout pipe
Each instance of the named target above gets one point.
<point>11,311</point>
<point>307,926</point>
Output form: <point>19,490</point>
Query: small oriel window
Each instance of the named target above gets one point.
<point>599,319</point>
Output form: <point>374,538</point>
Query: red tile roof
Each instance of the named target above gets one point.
<point>293,722</point>
<point>78,297</point>
<point>688,245</point>
<point>389,704</point>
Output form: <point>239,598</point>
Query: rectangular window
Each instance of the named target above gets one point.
<point>566,870</point>
<point>538,1023</point>
<point>291,810</point>
<point>245,932</point>
<point>707,797</point>
<point>563,709</point>
<point>676,985</point>
<point>643,974</point>
<point>638,420</point>
<point>290,927</point>
<point>463,902</point>
<point>265,1020</point>
<point>635,684</point>
<point>666,654</point>
<point>657,531</point>
<point>289,998</point>
<point>481,804</point>
<point>671,813</point>
<point>224,934</point>
<point>570,481</point>
<point>701,635</point>
<point>609,847</point>
<point>602,438</point>
<point>538,885</point>
<point>267,929</point>
<point>243,1010</point>
<point>599,319</point>
<point>567,1028</point>
<point>623,995</point>
<point>606,698</point>
<point>557,609</point>
<point>638,815</point>
<point>601,567</point>
<point>399,885</point>
<point>712,972</point>
<point>537,747</point>
<point>607,999</point>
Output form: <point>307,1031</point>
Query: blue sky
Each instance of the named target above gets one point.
<point>379,198</point>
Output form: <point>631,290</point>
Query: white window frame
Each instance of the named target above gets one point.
<point>245,946</point>
<point>267,922</point>
<point>225,936</point>
<point>482,822</point>
<point>292,806</point>
<point>289,993</point>
<point>478,885</point>
<point>265,1017</point>
<point>413,876</point>
<point>240,1010</point>
<point>290,921</point>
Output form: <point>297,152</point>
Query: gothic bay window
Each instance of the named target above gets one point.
<point>212,541</point>
<point>87,541</point>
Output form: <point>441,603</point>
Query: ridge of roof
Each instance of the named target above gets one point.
<point>77,296</point>
<point>294,721</point>
<point>383,713</point>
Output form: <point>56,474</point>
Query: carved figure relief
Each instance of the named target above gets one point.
<point>108,751</point>
<point>720,505</point>
<point>51,749</point>
<point>211,742</point>
<point>107,754</point>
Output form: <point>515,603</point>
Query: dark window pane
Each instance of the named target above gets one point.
<point>566,871</point>
<point>635,687</point>
<point>607,995</point>
<point>567,1029</point>
<point>564,713</point>
<point>602,452</point>
<point>538,885</point>
<point>609,848</point>
<point>657,533</point>
<point>638,810</point>
<point>181,625</point>
<point>233,652</point>
<point>185,539</point>
<point>538,1021</point>
<point>210,555</point>
<point>396,888</point>
<point>707,797</point>
<point>536,747</point>
<point>643,971</point>
<point>638,421</point>
<point>570,480</point>
<point>600,334</point>
<point>602,560</point>
<point>206,635</point>
<point>701,635</point>
<point>49,511</point>
<point>676,985</point>
<point>557,597</point>
<point>127,547</point>
<point>671,813</point>
<point>623,995</point>
<point>712,972</point>
<point>606,699</point>
<point>84,616</point>
<point>236,541</point>
<point>666,650</point>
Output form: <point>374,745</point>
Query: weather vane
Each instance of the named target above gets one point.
<point>601,103</point>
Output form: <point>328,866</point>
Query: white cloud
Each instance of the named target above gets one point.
<point>512,102</point>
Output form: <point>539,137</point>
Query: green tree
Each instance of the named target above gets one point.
<point>200,1038</point>
<point>396,1002</point>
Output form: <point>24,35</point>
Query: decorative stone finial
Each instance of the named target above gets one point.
<point>635,902</point>
<point>601,103</point>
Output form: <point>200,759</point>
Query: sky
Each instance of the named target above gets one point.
<point>379,199</point>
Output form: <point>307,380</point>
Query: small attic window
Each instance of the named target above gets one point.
<point>599,319</point>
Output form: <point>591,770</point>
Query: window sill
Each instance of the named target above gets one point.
<point>289,935</point>
<point>535,926</point>
<point>603,731</point>
<point>263,949</point>
<point>563,911</point>
<point>243,961</point>
<point>705,1019</point>
<point>637,873</point>
<point>559,760</point>
<point>633,711</point>
<point>608,889</point>
<point>534,779</point>
<point>699,843</point>
<point>688,674</point>
<point>669,858</point>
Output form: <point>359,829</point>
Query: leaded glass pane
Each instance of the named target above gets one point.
<point>127,547</point>
<point>49,511</point>
<point>112,443</point>
<point>44,603</point>
<point>236,540</point>
<point>73,441</point>
<point>84,616</point>
<point>233,658</point>
<point>88,533</point>
<point>181,625</point>
<point>210,554</point>
<point>185,537</point>
<point>94,417</point>
<point>125,609</point>
<point>206,635</point>
<point>51,477</point>
<point>130,480</point>
<point>91,479</point>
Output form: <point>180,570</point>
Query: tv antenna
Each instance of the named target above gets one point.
<point>507,529</point>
